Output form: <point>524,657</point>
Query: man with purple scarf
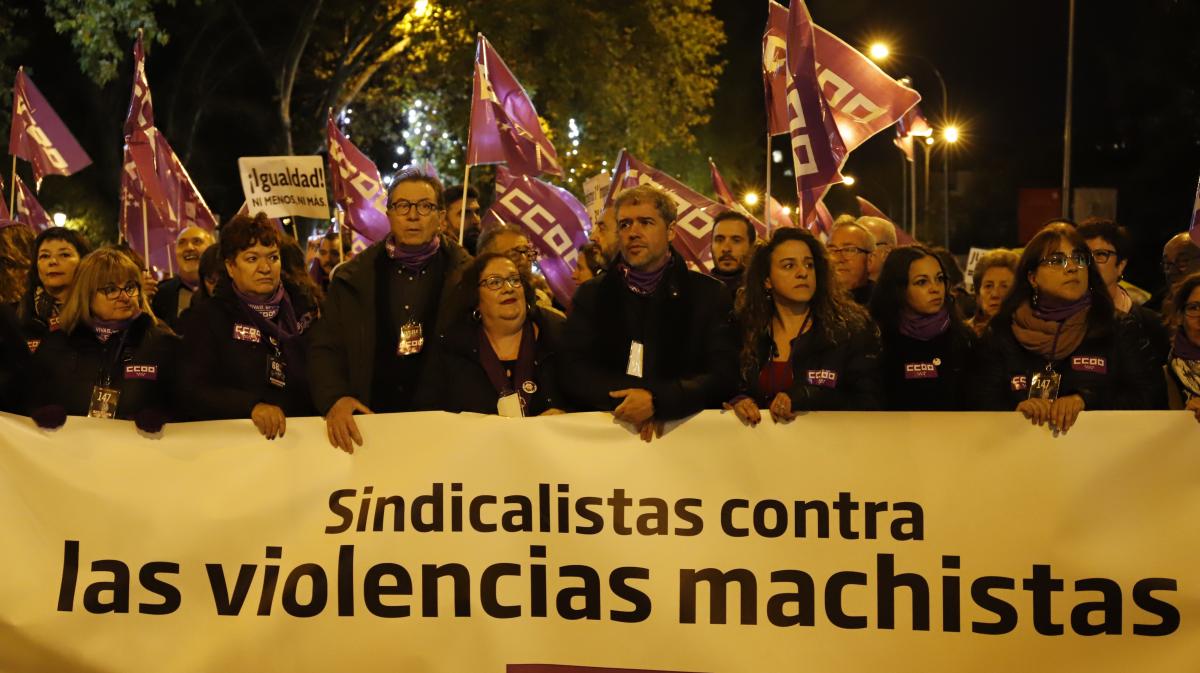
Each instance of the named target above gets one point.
<point>382,311</point>
<point>246,352</point>
<point>650,340</point>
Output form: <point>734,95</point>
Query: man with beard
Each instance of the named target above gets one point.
<point>732,240</point>
<point>174,295</point>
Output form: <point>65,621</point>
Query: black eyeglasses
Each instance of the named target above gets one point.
<point>494,283</point>
<point>1192,310</point>
<point>848,250</point>
<point>404,207</point>
<point>1061,260</point>
<point>111,292</point>
<point>1182,263</point>
<point>528,252</point>
<point>1102,256</point>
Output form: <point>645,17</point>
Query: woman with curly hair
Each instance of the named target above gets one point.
<point>805,345</point>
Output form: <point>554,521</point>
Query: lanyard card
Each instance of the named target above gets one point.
<point>509,406</point>
<point>104,402</point>
<point>1044,385</point>
<point>636,355</point>
<point>411,339</point>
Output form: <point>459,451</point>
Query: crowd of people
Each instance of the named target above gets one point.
<point>255,327</point>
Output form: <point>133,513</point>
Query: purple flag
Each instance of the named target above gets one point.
<point>553,219</point>
<point>4,214</point>
<point>695,212</point>
<point>817,148</point>
<point>725,197</point>
<point>28,210</point>
<point>357,187</point>
<point>39,136</point>
<point>1195,228</point>
<point>504,124</point>
<point>141,110</point>
<point>774,66</point>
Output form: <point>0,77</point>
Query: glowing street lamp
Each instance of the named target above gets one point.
<point>421,9</point>
<point>878,51</point>
<point>750,199</point>
<point>950,134</point>
<point>60,219</point>
<point>848,180</point>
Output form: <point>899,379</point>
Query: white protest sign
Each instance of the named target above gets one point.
<point>285,186</point>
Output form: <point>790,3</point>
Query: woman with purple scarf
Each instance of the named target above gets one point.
<point>245,351</point>
<point>111,358</point>
<point>1057,347</point>
<point>1184,362</point>
<point>926,346</point>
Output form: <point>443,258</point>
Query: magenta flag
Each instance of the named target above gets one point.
<point>28,211</point>
<point>725,197</point>
<point>822,220</point>
<point>869,209</point>
<point>140,135</point>
<point>141,110</point>
<point>864,99</point>
<point>774,67</point>
<point>1195,228</point>
<point>817,147</point>
<point>39,136</point>
<point>695,212</point>
<point>4,214</point>
<point>553,219</point>
<point>504,124</point>
<point>911,126</point>
<point>357,187</point>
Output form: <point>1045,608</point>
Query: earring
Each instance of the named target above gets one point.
<point>1035,296</point>
<point>477,315</point>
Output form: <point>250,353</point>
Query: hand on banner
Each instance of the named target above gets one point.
<point>1193,406</point>
<point>1064,411</point>
<point>552,412</point>
<point>1036,410</point>
<point>781,409</point>
<point>650,429</point>
<point>269,419</point>
<point>149,286</point>
<point>746,410</point>
<point>636,407</point>
<point>340,426</point>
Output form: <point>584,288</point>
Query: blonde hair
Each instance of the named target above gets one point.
<point>108,265</point>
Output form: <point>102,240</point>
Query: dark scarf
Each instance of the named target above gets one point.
<point>1183,348</point>
<point>1057,310</point>
<point>46,308</point>
<point>643,282</point>
<point>106,329</point>
<point>1052,339</point>
<point>414,259</point>
<point>923,327</point>
<point>523,371</point>
<point>731,279</point>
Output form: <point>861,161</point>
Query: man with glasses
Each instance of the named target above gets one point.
<point>509,240</point>
<point>1180,259</point>
<point>851,246</point>
<point>382,310</point>
<point>650,341</point>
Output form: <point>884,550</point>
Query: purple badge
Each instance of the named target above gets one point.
<point>1019,383</point>
<point>246,333</point>
<point>1089,363</point>
<point>920,370</point>
<point>144,372</point>
<point>826,378</point>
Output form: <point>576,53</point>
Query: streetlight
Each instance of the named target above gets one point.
<point>950,134</point>
<point>750,199</point>
<point>879,51</point>
<point>848,180</point>
<point>60,219</point>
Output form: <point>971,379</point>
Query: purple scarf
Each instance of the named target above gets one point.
<point>275,315</point>
<point>1056,310</point>
<point>923,327</point>
<point>643,282</point>
<point>1183,347</point>
<point>106,329</point>
<point>523,374</point>
<point>415,259</point>
<point>268,308</point>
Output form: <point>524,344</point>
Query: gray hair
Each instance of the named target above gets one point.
<point>870,246</point>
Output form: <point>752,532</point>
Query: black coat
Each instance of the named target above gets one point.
<point>929,375</point>
<point>166,304</point>
<point>342,346</point>
<point>66,367</point>
<point>14,362</point>
<point>1110,369</point>
<point>685,326</point>
<point>226,365</point>
<point>840,374</point>
<point>455,380</point>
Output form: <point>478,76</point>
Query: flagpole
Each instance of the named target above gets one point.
<point>912,172</point>
<point>146,233</point>
<point>337,224</point>
<point>767,199</point>
<point>12,199</point>
<point>904,187</point>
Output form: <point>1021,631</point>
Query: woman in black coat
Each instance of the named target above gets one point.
<point>56,255</point>
<point>926,346</point>
<point>805,345</point>
<point>499,355</point>
<point>244,348</point>
<point>1057,347</point>
<point>111,358</point>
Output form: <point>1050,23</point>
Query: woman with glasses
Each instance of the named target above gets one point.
<point>245,347</point>
<point>498,356</point>
<point>111,358</point>
<point>1057,347</point>
<point>926,346</point>
<point>1184,362</point>
<point>806,346</point>
<point>56,254</point>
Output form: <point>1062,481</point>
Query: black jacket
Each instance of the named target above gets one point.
<point>455,381</point>
<point>841,374</point>
<point>685,327</point>
<point>228,360</point>
<point>66,367</point>
<point>342,349</point>
<point>927,375</point>
<point>14,362</point>
<point>166,303</point>
<point>1109,370</point>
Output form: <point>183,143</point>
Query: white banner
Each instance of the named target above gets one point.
<point>285,186</point>
<point>454,544</point>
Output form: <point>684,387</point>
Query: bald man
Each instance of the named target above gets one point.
<point>1180,259</point>
<point>885,239</point>
<point>174,295</point>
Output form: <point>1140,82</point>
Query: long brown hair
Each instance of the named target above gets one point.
<point>834,313</point>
